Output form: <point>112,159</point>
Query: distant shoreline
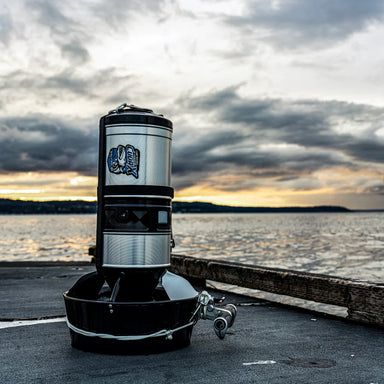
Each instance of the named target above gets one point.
<point>22,207</point>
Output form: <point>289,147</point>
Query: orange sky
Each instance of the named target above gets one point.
<point>71,186</point>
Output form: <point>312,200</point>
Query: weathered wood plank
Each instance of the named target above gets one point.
<point>364,300</point>
<point>366,317</point>
<point>302,285</point>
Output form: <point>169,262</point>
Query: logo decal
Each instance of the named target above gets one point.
<point>124,159</point>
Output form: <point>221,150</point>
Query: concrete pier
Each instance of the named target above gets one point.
<point>267,344</point>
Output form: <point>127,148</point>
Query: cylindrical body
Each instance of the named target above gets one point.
<point>134,193</point>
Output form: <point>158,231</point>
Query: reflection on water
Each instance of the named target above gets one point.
<point>342,244</point>
<point>46,237</point>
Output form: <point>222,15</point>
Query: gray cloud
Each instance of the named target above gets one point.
<point>51,15</point>
<point>29,183</point>
<point>116,12</point>
<point>59,85</point>
<point>66,83</point>
<point>253,142</point>
<point>307,123</point>
<point>75,52</point>
<point>291,138</point>
<point>37,143</point>
<point>5,27</point>
<point>299,24</point>
<point>66,32</point>
<point>376,189</point>
<point>72,25</point>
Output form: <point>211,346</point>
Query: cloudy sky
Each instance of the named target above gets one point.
<point>274,103</point>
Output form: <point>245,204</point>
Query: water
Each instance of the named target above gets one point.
<point>341,244</point>
<point>46,237</point>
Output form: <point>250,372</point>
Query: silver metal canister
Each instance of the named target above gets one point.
<point>134,229</point>
<point>138,154</point>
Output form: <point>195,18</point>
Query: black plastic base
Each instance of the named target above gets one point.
<point>90,309</point>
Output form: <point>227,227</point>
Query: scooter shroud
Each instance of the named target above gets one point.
<point>100,325</point>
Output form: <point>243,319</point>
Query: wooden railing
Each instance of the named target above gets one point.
<point>364,300</point>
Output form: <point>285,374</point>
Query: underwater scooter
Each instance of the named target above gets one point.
<point>132,302</point>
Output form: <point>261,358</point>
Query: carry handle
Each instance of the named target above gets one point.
<point>124,107</point>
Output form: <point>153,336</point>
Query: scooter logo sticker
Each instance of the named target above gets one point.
<point>124,159</point>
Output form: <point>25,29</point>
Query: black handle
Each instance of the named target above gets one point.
<point>125,107</point>
<point>228,312</point>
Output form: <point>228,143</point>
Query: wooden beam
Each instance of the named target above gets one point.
<point>365,301</point>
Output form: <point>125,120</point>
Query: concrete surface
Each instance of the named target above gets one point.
<point>267,344</point>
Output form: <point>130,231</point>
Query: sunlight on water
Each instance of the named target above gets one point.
<point>46,237</point>
<point>341,244</point>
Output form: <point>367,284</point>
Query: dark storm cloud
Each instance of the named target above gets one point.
<point>37,144</point>
<point>307,123</point>
<point>294,138</point>
<point>298,23</point>
<point>197,151</point>
<point>222,154</point>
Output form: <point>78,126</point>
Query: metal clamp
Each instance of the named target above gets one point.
<point>223,317</point>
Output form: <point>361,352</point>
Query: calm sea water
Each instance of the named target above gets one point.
<point>341,244</point>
